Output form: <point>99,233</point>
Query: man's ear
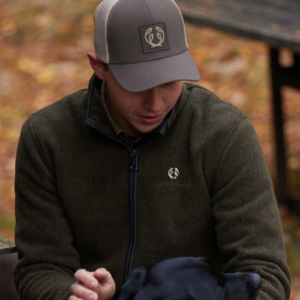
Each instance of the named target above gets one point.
<point>96,65</point>
<point>133,284</point>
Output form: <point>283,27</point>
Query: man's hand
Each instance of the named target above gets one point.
<point>98,285</point>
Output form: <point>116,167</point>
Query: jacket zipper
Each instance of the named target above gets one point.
<point>132,197</point>
<point>132,177</point>
<point>133,212</point>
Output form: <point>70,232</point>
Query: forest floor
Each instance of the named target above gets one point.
<point>43,50</point>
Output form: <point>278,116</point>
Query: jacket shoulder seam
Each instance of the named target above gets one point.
<point>190,86</point>
<point>70,96</point>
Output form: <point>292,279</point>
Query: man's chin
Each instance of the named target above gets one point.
<point>144,129</point>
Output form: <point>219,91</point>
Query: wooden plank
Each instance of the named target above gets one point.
<point>7,246</point>
<point>275,22</point>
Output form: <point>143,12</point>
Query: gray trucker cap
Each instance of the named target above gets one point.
<point>143,42</point>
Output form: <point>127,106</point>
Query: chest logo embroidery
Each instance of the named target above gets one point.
<point>173,173</point>
<point>150,36</point>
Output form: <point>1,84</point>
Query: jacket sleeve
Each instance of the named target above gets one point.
<point>44,240</point>
<point>247,223</point>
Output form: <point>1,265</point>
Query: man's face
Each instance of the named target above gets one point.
<point>138,113</point>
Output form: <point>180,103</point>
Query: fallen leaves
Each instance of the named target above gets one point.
<point>46,75</point>
<point>28,66</point>
<point>8,27</point>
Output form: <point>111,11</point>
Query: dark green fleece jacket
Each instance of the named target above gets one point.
<point>86,199</point>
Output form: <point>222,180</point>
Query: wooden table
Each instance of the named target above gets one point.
<point>7,246</point>
<point>275,22</point>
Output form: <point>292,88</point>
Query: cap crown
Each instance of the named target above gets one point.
<point>131,31</point>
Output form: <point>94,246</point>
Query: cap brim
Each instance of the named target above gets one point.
<point>138,77</point>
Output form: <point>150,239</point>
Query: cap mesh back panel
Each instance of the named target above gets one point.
<point>101,16</point>
<point>182,22</point>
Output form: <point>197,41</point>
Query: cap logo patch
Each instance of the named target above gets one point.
<point>149,37</point>
<point>154,37</point>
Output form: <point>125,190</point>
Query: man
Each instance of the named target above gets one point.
<point>139,168</point>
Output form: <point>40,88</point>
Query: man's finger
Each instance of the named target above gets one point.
<point>82,292</point>
<point>102,275</point>
<point>86,278</point>
<point>74,298</point>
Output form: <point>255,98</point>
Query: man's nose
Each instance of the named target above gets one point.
<point>153,100</point>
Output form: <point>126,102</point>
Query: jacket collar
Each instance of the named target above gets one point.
<point>96,116</point>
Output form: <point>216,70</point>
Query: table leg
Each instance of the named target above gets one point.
<point>278,79</point>
<point>278,124</point>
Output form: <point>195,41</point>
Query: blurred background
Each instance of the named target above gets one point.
<point>43,46</point>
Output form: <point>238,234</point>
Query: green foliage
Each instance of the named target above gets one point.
<point>7,224</point>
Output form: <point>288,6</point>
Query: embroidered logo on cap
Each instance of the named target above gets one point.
<point>149,37</point>
<point>154,37</point>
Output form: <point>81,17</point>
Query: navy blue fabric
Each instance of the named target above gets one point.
<point>188,278</point>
